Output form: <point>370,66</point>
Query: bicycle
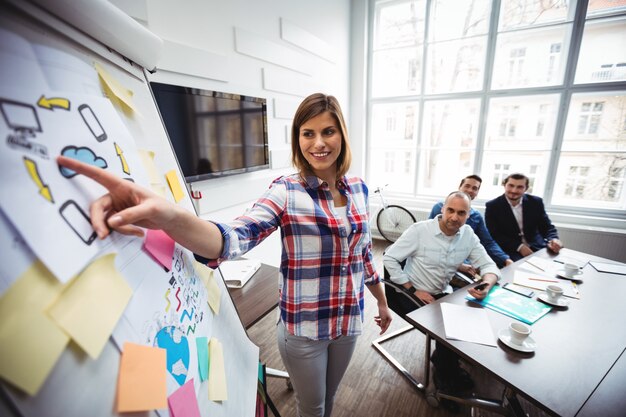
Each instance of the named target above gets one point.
<point>392,220</point>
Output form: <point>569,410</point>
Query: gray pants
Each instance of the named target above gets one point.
<point>315,368</point>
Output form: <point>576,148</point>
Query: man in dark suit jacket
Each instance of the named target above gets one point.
<point>514,211</point>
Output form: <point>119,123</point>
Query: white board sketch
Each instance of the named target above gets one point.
<point>51,102</point>
<point>49,204</point>
<point>168,310</point>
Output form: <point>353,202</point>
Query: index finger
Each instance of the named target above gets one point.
<point>99,175</point>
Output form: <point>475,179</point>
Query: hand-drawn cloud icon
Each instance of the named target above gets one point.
<point>82,154</point>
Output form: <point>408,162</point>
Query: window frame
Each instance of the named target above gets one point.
<point>565,90</point>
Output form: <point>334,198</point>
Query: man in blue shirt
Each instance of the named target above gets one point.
<point>470,185</point>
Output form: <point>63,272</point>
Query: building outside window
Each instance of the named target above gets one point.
<point>502,86</point>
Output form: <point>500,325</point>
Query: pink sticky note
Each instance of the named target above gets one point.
<point>183,402</point>
<point>160,246</point>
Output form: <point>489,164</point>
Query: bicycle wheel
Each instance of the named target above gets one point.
<point>392,221</point>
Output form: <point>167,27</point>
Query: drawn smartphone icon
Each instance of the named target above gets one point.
<point>80,223</point>
<point>92,122</point>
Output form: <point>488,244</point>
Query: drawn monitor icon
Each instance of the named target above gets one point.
<point>20,117</point>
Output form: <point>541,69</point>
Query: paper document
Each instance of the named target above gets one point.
<point>570,289</point>
<point>544,265</point>
<point>611,268</point>
<point>237,273</point>
<point>570,257</point>
<point>467,324</point>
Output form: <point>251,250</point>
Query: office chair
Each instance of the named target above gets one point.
<point>402,301</point>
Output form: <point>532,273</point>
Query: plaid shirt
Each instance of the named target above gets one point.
<point>320,257</point>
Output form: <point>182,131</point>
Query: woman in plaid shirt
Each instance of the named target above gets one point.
<point>326,246</point>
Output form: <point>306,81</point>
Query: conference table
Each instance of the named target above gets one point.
<point>578,367</point>
<point>258,297</point>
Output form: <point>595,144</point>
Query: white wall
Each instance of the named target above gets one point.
<point>282,50</point>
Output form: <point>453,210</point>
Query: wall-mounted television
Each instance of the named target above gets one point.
<point>213,134</point>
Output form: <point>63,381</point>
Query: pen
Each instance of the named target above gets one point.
<point>544,280</point>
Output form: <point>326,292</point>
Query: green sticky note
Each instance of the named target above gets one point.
<point>202,346</point>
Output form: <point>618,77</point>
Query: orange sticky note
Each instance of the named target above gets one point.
<point>142,383</point>
<point>160,246</point>
<point>175,188</point>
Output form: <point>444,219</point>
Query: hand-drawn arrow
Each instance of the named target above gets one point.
<point>120,154</point>
<point>33,172</point>
<point>53,102</point>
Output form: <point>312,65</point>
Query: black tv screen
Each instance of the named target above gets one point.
<point>213,134</point>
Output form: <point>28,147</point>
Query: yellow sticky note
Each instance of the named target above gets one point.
<point>30,343</point>
<point>142,383</point>
<point>91,305</point>
<point>114,87</point>
<point>213,291</point>
<point>175,188</point>
<point>217,372</point>
<point>147,160</point>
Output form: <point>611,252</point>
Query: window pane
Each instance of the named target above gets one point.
<point>602,52</point>
<point>527,13</point>
<point>397,72</point>
<point>601,7</point>
<point>496,165</point>
<point>456,66</point>
<point>399,24</point>
<point>531,58</point>
<point>441,169</point>
<point>392,147</point>
<point>454,19</point>
<point>450,124</point>
<point>591,179</point>
<point>595,122</point>
<point>592,165</point>
<point>521,123</point>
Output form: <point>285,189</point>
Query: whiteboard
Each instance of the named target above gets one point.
<point>42,55</point>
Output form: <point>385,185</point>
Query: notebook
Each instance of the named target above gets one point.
<point>513,305</point>
<point>237,273</point>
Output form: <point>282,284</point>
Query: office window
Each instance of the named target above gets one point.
<point>478,90</point>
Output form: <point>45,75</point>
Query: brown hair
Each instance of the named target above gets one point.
<point>516,176</point>
<point>313,106</point>
<point>471,177</point>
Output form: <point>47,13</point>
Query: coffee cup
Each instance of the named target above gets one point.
<point>570,269</point>
<point>519,332</point>
<point>554,293</point>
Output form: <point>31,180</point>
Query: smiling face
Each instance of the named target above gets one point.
<point>514,189</point>
<point>320,143</point>
<point>470,187</point>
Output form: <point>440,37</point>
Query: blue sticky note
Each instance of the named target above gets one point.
<point>202,346</point>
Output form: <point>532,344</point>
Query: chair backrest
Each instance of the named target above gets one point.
<point>402,301</point>
<point>399,299</point>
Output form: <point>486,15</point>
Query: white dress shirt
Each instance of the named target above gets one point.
<point>432,257</point>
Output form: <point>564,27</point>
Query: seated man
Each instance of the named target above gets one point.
<point>519,222</point>
<point>470,185</point>
<point>433,250</point>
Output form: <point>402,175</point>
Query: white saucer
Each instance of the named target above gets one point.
<point>528,346</point>
<point>575,277</point>
<point>562,302</point>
